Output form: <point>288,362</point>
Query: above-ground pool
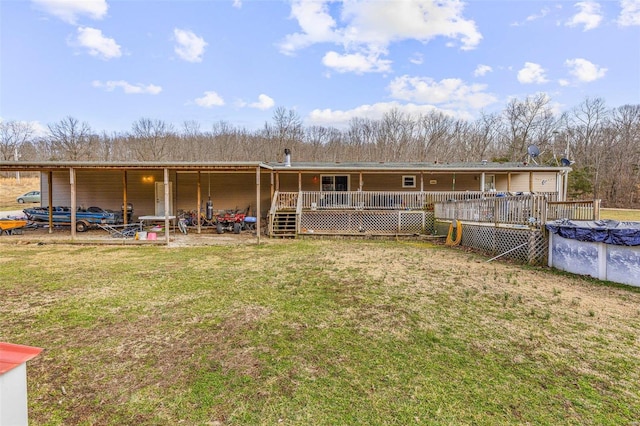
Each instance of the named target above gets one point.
<point>604,249</point>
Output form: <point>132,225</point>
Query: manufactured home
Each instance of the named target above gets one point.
<point>290,198</point>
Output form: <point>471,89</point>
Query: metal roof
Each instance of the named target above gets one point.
<point>280,166</point>
<point>132,165</point>
<point>418,166</point>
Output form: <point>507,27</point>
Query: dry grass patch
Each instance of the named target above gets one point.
<point>10,189</point>
<point>316,332</point>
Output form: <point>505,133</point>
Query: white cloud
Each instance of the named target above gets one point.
<point>210,99</point>
<point>97,44</point>
<point>316,23</point>
<point>341,118</point>
<point>482,70</point>
<point>589,15</point>
<point>543,12</point>
<point>70,10</point>
<point>585,71</point>
<point>532,73</point>
<point>128,88</point>
<point>449,92</point>
<point>355,62</point>
<point>264,102</point>
<point>189,46</point>
<point>630,13</point>
<point>417,58</point>
<point>237,4</point>
<point>367,28</point>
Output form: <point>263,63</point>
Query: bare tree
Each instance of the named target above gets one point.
<point>623,156</point>
<point>483,137</point>
<point>287,131</point>
<point>395,135</point>
<point>361,138</point>
<point>434,134</point>
<point>13,135</point>
<point>152,140</point>
<point>528,122</point>
<point>70,139</point>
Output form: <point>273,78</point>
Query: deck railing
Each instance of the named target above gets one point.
<point>510,210</point>
<point>530,210</point>
<point>383,200</point>
<point>573,210</point>
<point>284,201</point>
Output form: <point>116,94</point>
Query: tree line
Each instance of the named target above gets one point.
<point>602,143</point>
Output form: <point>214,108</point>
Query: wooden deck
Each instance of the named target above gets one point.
<point>412,212</point>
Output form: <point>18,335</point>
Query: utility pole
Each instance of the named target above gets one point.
<point>15,158</point>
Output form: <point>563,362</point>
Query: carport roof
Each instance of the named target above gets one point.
<point>122,165</point>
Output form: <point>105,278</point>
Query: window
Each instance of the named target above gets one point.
<point>409,181</point>
<point>334,183</point>
<point>490,183</point>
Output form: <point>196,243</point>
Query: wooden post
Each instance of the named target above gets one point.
<point>531,253</point>
<point>199,201</point>
<point>166,205</point>
<point>360,183</point>
<point>272,189</point>
<point>530,181</point>
<point>258,213</point>
<point>509,182</point>
<point>50,187</point>
<point>299,182</point>
<point>125,209</point>
<point>72,181</point>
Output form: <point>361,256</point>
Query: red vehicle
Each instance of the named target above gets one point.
<point>230,220</point>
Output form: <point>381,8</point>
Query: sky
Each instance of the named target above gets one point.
<point>112,62</point>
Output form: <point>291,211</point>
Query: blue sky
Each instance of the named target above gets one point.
<point>112,62</point>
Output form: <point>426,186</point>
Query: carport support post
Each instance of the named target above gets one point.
<point>72,181</point>
<point>166,205</point>
<point>272,190</point>
<point>199,200</point>
<point>258,214</point>
<point>125,210</point>
<point>50,188</point>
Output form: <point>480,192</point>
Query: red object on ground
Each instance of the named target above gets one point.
<point>12,355</point>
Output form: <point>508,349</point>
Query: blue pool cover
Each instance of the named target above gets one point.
<point>598,231</point>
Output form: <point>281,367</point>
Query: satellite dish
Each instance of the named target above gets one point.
<point>566,162</point>
<point>533,151</point>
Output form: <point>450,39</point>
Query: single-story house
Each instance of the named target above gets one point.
<point>289,197</point>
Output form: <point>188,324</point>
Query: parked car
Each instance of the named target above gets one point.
<point>29,197</point>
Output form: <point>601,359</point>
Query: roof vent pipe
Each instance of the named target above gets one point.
<point>287,157</point>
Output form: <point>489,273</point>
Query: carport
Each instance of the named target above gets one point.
<point>157,189</point>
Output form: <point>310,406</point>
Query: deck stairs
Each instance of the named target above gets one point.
<point>284,224</point>
<point>284,216</point>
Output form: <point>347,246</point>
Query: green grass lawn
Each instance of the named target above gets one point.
<point>626,215</point>
<point>316,333</point>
